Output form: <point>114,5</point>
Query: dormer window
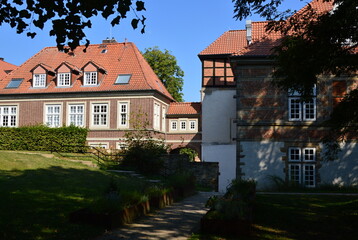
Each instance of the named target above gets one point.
<point>39,80</point>
<point>64,79</point>
<point>90,78</point>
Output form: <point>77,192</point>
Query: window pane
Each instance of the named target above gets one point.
<point>309,175</point>
<point>295,173</point>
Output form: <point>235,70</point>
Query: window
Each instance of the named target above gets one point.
<point>90,78</point>
<point>192,125</point>
<point>53,115</point>
<point>156,116</point>
<point>39,80</point>
<point>76,115</point>
<point>123,114</point>
<point>15,83</point>
<point>8,116</point>
<point>163,119</point>
<point>182,125</point>
<point>123,79</point>
<point>174,125</point>
<point>301,167</point>
<point>63,79</point>
<point>300,110</point>
<point>100,114</point>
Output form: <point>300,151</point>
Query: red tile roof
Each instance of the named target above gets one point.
<point>184,108</point>
<point>235,42</point>
<point>5,67</point>
<point>227,43</point>
<point>120,58</point>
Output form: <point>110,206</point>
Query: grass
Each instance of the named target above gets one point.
<point>301,217</point>
<point>38,192</point>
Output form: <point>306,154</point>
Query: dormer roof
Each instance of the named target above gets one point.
<point>184,108</point>
<point>118,59</point>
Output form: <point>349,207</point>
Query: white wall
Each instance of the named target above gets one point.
<point>225,155</point>
<point>343,171</point>
<point>261,160</point>
<point>218,110</point>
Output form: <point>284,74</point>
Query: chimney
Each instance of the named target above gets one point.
<point>107,40</point>
<point>249,31</point>
<point>1,59</point>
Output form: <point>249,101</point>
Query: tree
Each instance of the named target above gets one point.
<point>69,17</point>
<point>165,66</point>
<point>314,44</point>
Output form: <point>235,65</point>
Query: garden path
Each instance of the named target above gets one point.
<point>177,221</point>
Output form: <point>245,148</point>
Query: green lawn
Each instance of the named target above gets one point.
<point>304,217</point>
<point>38,193</point>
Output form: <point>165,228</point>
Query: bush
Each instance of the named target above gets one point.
<point>236,204</point>
<point>43,138</point>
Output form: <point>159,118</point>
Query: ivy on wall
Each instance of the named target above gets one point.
<point>43,138</point>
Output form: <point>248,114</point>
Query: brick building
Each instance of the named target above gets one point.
<point>100,89</point>
<point>251,127</point>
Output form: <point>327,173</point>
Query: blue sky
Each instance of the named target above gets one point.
<point>184,27</point>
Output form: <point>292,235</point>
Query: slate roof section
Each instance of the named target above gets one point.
<point>5,68</point>
<point>234,42</point>
<point>184,108</point>
<point>120,58</point>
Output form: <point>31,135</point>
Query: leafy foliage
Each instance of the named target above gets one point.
<point>190,152</point>
<point>166,67</point>
<point>43,138</point>
<point>69,18</point>
<point>143,151</point>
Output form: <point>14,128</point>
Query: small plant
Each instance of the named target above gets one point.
<point>236,204</point>
<point>191,153</point>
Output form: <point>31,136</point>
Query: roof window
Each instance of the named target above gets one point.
<point>15,83</point>
<point>123,78</point>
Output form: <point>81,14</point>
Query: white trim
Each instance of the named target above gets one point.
<point>304,175</point>
<point>183,123</point>
<point>46,114</point>
<point>100,144</point>
<point>38,78</point>
<point>88,77</point>
<point>299,181</point>
<point>127,114</point>
<point>304,154</point>
<point>69,104</point>
<point>164,123</point>
<point>297,153</point>
<point>108,115</point>
<point>9,115</point>
<point>156,115</point>
<point>171,125</point>
<point>304,108</point>
<point>85,99</point>
<point>61,78</point>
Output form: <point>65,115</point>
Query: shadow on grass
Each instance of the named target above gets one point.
<point>35,204</point>
<point>306,217</point>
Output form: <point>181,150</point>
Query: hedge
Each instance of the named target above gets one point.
<point>43,138</point>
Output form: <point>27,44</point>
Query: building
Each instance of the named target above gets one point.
<point>101,89</point>
<point>256,130</point>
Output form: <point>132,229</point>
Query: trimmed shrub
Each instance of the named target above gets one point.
<point>43,138</point>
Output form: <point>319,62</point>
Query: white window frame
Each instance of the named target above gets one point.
<point>53,118</point>
<point>90,78</point>
<point>123,114</point>
<point>64,79</point>
<point>104,145</point>
<point>307,159</point>
<point>299,175</point>
<point>121,146</point>
<point>164,110</point>
<point>193,125</point>
<point>295,102</point>
<point>156,116</point>
<point>173,125</point>
<point>183,125</point>
<point>101,114</point>
<point>8,116</point>
<point>39,80</point>
<point>76,118</point>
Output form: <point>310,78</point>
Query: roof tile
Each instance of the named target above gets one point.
<point>120,58</point>
<point>184,108</point>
